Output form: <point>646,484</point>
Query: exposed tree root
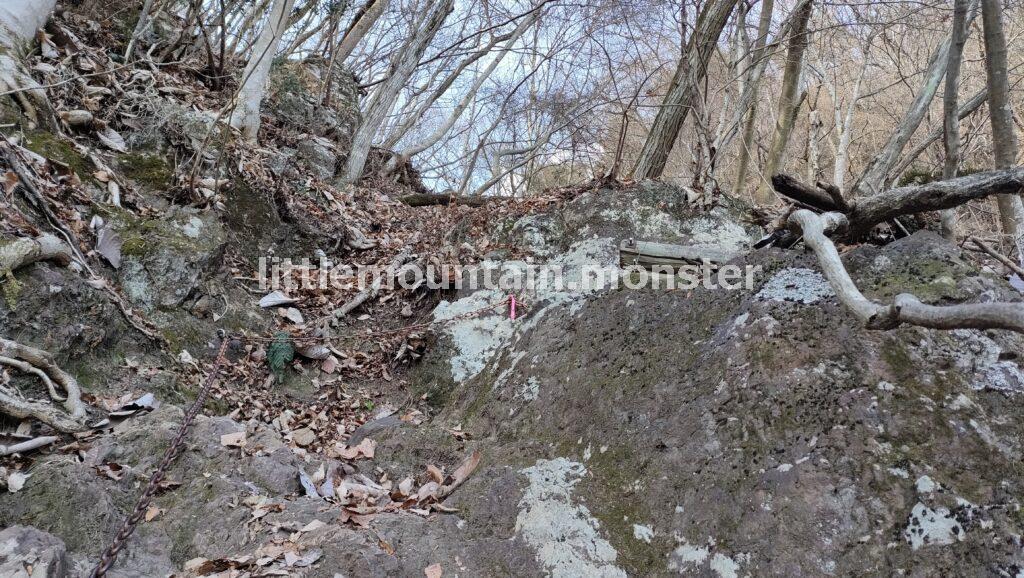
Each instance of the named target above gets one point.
<point>905,308</point>
<point>18,253</point>
<point>40,363</point>
<point>27,445</point>
<point>14,405</point>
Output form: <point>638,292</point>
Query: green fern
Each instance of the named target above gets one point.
<point>280,353</point>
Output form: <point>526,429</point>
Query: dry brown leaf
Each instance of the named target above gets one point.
<point>433,571</point>
<point>233,440</point>
<point>435,473</point>
<point>461,473</point>
<point>152,512</point>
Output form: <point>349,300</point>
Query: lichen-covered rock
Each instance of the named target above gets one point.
<point>758,431</point>
<point>30,553</point>
<point>164,260</point>
<point>295,101</point>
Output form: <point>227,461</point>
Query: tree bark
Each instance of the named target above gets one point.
<point>685,84</point>
<point>246,115</point>
<point>950,106</point>
<point>748,113</point>
<point>1004,139</point>
<point>362,24</point>
<point>873,178</point>
<point>19,20</point>
<point>788,101</point>
<point>866,212</point>
<point>384,98</point>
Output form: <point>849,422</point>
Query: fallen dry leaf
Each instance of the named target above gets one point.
<point>366,448</point>
<point>433,571</point>
<point>152,512</point>
<point>233,440</point>
<point>435,473</point>
<point>16,481</point>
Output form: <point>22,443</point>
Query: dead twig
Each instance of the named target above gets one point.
<point>998,256</point>
<point>905,308</point>
<point>27,445</point>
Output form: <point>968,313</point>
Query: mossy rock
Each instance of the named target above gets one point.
<point>51,146</point>
<point>149,170</point>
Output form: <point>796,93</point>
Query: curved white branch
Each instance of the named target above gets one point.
<point>905,307</point>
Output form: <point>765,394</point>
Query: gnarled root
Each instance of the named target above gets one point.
<point>26,92</point>
<point>40,363</point>
<point>20,252</point>
<point>905,308</point>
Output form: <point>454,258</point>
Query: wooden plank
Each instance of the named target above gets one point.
<point>646,254</point>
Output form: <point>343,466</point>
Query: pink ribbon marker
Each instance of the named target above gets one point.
<point>512,307</point>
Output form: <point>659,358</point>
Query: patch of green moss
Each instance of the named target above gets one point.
<point>53,147</point>
<point>898,358</point>
<point>610,500</point>
<point>929,280</point>
<point>150,170</point>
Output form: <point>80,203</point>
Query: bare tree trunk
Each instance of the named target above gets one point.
<point>1004,139</point>
<point>402,156</point>
<point>874,176</point>
<point>950,106</point>
<point>362,24</point>
<point>685,84</point>
<point>384,98</point>
<point>19,20</point>
<point>788,100</point>
<point>844,122</point>
<point>140,29</point>
<point>749,115</point>
<point>246,115</point>
<point>966,109</point>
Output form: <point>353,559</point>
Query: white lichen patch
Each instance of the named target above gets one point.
<point>478,338</point>
<point>722,232</point>
<point>688,559</point>
<point>564,534</point>
<point>687,556</point>
<point>530,390</point>
<point>724,566</point>
<point>796,285</point>
<point>643,533</point>
<point>928,527</point>
<point>475,339</point>
<point>926,485</point>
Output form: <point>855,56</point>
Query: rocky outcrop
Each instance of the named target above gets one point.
<point>759,431</point>
<point>752,431</point>
<point>30,553</point>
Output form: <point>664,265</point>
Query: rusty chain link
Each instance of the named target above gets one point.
<point>139,512</point>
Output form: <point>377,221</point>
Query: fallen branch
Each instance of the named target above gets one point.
<point>647,254</point>
<point>27,445</point>
<point>905,307</point>
<point>18,253</point>
<point>426,200</point>
<point>804,194</point>
<point>998,256</point>
<point>865,213</point>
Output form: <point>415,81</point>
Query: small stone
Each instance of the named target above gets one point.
<point>303,436</point>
